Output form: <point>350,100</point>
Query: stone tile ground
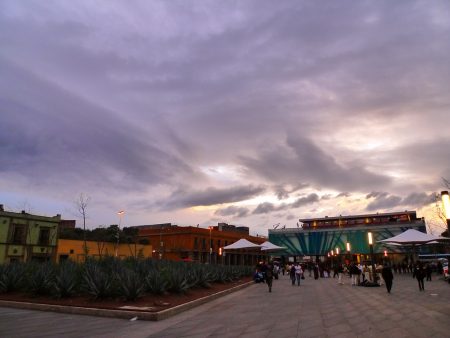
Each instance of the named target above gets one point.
<point>318,308</point>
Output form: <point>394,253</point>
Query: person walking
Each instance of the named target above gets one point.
<point>269,275</point>
<point>420,275</point>
<point>340,272</point>
<point>386,273</point>
<point>292,274</point>
<point>298,273</point>
<point>428,270</point>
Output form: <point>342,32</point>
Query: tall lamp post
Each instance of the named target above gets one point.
<point>120,214</point>
<point>370,238</point>
<point>210,246</point>
<point>338,257</point>
<point>347,246</point>
<point>446,207</point>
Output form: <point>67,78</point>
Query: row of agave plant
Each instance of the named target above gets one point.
<point>113,278</point>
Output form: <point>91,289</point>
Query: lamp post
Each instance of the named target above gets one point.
<point>210,246</point>
<point>347,246</point>
<point>446,206</point>
<point>161,243</point>
<point>338,257</point>
<point>120,214</point>
<point>370,238</point>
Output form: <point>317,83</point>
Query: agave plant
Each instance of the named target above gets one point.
<point>66,280</point>
<point>11,277</point>
<point>40,278</point>
<point>156,282</point>
<point>97,282</point>
<point>178,280</point>
<point>131,285</point>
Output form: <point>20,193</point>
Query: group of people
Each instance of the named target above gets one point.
<point>361,275</point>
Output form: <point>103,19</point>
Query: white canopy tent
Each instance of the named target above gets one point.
<point>268,246</point>
<point>242,244</point>
<point>242,252</point>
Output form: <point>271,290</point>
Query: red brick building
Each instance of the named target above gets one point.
<point>199,244</point>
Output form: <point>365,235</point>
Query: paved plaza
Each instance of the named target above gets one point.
<point>318,308</point>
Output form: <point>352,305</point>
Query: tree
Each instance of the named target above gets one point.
<point>81,205</point>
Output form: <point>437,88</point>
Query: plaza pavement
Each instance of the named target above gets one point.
<point>318,308</point>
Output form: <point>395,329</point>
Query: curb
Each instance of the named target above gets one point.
<point>124,314</point>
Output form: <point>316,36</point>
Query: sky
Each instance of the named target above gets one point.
<point>252,113</point>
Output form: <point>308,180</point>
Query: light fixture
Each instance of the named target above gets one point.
<point>446,204</point>
<point>369,236</point>
<point>337,251</point>
<point>348,246</point>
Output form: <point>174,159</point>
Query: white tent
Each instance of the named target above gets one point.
<point>267,246</point>
<point>242,244</point>
<point>410,237</point>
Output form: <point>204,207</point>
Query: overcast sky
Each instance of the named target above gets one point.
<point>246,112</point>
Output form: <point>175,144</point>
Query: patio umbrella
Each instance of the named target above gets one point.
<point>411,238</point>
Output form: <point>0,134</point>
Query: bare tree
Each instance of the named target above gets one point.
<point>81,204</point>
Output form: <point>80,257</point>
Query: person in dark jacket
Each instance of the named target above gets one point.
<point>269,275</point>
<point>428,271</point>
<point>419,273</point>
<point>292,274</point>
<point>388,277</point>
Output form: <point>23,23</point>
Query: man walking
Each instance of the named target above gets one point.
<point>388,277</point>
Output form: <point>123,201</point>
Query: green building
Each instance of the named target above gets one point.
<point>347,236</point>
<point>25,237</point>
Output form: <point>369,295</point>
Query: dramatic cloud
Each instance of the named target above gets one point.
<point>211,196</point>
<point>158,107</point>
<point>232,211</point>
<point>384,201</point>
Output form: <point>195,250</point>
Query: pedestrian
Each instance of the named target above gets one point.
<point>388,277</point>
<point>298,273</point>
<point>292,274</point>
<point>340,273</point>
<point>269,275</point>
<point>420,275</point>
<point>316,271</point>
<point>428,271</point>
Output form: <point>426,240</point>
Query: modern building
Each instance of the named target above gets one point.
<point>25,237</point>
<point>347,235</point>
<point>74,250</point>
<point>199,244</point>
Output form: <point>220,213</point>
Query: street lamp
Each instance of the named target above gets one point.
<point>370,238</point>
<point>446,207</point>
<point>120,214</point>
<point>347,246</point>
<point>210,246</point>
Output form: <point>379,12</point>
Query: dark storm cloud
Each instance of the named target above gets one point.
<point>232,211</point>
<point>211,196</point>
<point>386,201</point>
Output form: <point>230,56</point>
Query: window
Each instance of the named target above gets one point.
<point>44,236</point>
<point>203,243</point>
<point>18,236</point>
<point>218,243</point>
<point>195,242</point>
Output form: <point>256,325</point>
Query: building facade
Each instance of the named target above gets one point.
<point>75,251</point>
<point>25,237</point>
<point>199,244</point>
<point>320,236</point>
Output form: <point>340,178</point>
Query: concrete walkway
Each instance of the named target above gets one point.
<point>318,308</point>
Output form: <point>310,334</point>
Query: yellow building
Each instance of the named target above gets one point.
<point>74,250</point>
